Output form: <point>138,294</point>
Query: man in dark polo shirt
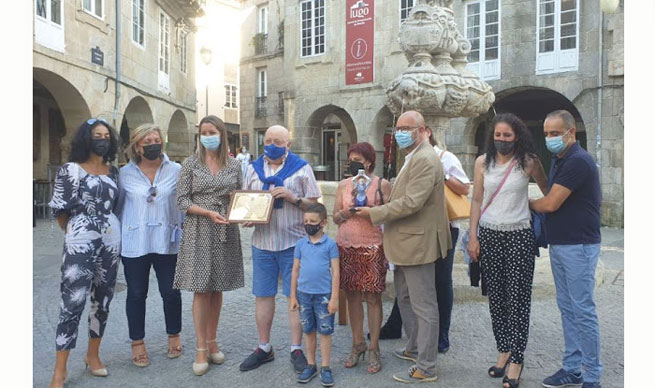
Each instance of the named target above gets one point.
<point>572,209</point>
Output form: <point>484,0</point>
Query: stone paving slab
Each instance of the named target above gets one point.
<point>472,346</point>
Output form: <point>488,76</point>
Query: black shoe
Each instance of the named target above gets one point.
<point>298,360</point>
<point>444,344</point>
<point>389,333</point>
<point>257,358</point>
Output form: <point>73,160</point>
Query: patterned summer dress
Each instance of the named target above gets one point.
<point>210,256</point>
<point>91,248</point>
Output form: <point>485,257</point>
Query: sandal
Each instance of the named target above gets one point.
<point>374,364</point>
<point>140,360</point>
<point>174,351</point>
<point>357,351</point>
<point>512,383</point>
<point>218,357</point>
<point>496,371</point>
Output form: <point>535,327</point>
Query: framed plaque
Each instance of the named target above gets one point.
<point>253,206</point>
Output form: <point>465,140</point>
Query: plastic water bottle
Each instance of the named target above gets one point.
<point>362,184</point>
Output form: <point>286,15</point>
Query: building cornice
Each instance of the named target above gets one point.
<point>261,58</point>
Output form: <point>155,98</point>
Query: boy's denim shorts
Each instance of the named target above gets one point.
<point>314,315</point>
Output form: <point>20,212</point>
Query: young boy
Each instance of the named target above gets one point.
<point>315,289</point>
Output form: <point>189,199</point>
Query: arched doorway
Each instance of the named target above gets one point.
<point>531,104</point>
<point>136,113</point>
<point>383,139</point>
<point>58,109</point>
<point>178,137</point>
<point>334,130</point>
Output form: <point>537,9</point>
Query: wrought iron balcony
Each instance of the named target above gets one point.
<point>259,41</point>
<point>260,107</point>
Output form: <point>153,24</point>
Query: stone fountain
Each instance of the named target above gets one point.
<point>437,83</point>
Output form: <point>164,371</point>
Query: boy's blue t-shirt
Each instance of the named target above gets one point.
<point>315,275</point>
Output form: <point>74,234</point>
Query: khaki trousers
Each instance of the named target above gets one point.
<point>417,302</point>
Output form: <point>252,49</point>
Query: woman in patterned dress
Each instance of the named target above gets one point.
<point>84,201</point>
<point>363,264</point>
<point>210,260</point>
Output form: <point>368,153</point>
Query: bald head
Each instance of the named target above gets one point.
<point>411,118</point>
<point>278,136</point>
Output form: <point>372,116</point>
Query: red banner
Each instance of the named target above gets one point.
<point>360,32</point>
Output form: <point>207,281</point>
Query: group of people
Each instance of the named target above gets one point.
<point>156,213</point>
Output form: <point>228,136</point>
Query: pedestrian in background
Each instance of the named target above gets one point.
<point>415,235</point>
<point>210,259</point>
<point>362,260</point>
<point>291,181</point>
<point>244,157</point>
<point>572,209</point>
<point>84,201</point>
<point>315,290</point>
<point>505,242</point>
<point>151,230</point>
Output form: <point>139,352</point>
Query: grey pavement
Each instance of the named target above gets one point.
<point>472,346</point>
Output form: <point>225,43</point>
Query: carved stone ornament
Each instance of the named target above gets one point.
<point>437,82</point>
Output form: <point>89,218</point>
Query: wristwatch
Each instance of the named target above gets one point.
<point>298,201</point>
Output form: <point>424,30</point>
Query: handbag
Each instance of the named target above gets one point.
<point>539,229</point>
<point>457,204</point>
<point>465,235</point>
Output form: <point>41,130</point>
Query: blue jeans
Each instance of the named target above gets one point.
<point>267,266</point>
<point>314,314</point>
<point>137,275</point>
<point>574,270</point>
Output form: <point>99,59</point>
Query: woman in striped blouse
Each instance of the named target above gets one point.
<point>151,233</point>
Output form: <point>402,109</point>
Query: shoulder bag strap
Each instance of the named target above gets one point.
<point>509,169</point>
<point>379,191</point>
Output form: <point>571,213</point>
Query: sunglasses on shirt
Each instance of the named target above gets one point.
<point>152,193</point>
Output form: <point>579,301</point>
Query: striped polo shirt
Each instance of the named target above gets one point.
<point>286,225</point>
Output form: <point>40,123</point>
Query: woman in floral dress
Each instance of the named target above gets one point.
<point>83,201</point>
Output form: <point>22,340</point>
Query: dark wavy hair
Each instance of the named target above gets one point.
<point>524,145</point>
<point>366,150</point>
<point>81,143</point>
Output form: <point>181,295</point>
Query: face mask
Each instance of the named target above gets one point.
<point>211,142</point>
<point>404,139</point>
<point>152,151</point>
<point>555,144</point>
<point>274,152</point>
<point>312,229</point>
<point>504,147</point>
<point>355,167</point>
<point>100,147</point>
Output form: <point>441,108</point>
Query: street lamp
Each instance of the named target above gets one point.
<point>609,6</point>
<point>206,58</point>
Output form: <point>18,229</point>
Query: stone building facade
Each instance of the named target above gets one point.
<point>538,55</point>
<point>132,69</point>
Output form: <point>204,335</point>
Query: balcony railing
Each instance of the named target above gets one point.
<point>260,107</point>
<point>259,41</point>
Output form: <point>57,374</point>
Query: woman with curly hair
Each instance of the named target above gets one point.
<point>505,243</point>
<point>84,202</point>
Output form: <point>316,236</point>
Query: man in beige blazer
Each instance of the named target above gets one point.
<point>416,233</point>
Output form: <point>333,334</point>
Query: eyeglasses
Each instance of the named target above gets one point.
<point>405,129</point>
<point>93,121</point>
<point>152,193</point>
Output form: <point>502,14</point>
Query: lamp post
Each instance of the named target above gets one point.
<point>206,57</point>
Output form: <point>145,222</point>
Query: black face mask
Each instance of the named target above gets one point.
<point>312,229</point>
<point>504,147</point>
<point>100,147</point>
<point>152,151</point>
<point>355,167</point>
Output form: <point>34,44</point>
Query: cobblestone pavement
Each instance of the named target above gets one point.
<point>472,346</point>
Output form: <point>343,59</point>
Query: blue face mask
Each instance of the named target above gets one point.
<point>404,139</point>
<point>211,142</point>
<point>274,152</point>
<point>555,144</point>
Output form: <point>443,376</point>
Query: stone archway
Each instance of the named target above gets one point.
<point>381,139</point>
<point>333,131</point>
<point>531,104</point>
<point>136,113</point>
<point>58,110</point>
<point>179,143</point>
